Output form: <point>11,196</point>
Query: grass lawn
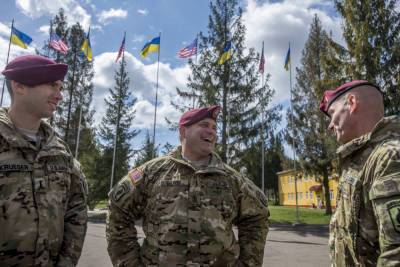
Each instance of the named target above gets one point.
<point>102,204</point>
<point>282,214</point>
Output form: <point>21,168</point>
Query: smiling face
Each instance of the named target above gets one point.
<point>198,140</point>
<point>39,101</point>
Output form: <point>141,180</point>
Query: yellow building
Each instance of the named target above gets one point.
<point>309,189</point>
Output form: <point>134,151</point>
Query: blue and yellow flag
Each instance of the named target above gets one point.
<point>87,48</point>
<point>152,46</point>
<point>227,54</point>
<point>19,38</point>
<point>287,60</point>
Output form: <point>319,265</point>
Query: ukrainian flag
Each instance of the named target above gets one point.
<point>19,38</point>
<point>152,46</point>
<point>87,48</point>
<point>287,60</point>
<point>227,54</point>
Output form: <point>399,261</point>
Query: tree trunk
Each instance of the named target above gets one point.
<point>325,182</point>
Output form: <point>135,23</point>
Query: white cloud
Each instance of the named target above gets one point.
<point>5,30</point>
<point>279,23</point>
<point>138,39</point>
<point>143,84</point>
<point>45,29</point>
<point>38,8</point>
<point>143,12</point>
<point>106,15</point>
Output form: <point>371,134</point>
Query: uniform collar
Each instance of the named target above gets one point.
<point>216,164</point>
<point>387,126</point>
<point>14,138</point>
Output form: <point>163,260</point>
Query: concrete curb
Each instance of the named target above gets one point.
<point>100,215</point>
<point>97,216</point>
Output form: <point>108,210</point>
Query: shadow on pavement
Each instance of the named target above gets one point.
<point>304,229</point>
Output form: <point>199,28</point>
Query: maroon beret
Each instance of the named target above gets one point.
<point>195,115</point>
<point>33,70</point>
<point>331,96</point>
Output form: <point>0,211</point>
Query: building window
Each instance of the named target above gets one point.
<point>306,194</point>
<point>331,194</point>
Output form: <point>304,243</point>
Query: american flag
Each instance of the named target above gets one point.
<point>189,50</point>
<point>262,61</point>
<point>121,49</point>
<point>57,44</point>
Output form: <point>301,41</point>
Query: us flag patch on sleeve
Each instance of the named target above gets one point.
<point>135,175</point>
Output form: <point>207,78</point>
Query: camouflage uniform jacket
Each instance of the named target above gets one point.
<point>365,229</point>
<point>188,214</point>
<point>42,200</point>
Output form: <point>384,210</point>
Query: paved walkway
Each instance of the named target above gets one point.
<point>299,246</point>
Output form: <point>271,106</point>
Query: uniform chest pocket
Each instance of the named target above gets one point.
<point>350,193</point>
<point>218,196</point>
<point>15,179</point>
<point>59,179</point>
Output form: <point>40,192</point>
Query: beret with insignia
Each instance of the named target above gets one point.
<point>331,96</point>
<point>33,70</point>
<point>195,115</point>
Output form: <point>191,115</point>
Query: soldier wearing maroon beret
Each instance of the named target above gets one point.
<point>365,229</point>
<point>189,201</point>
<point>43,190</point>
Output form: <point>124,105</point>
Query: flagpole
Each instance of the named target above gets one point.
<point>48,45</point>
<point>117,126</point>
<point>70,98</point>
<point>8,55</point>
<point>197,50</point>
<point>228,113</point>
<point>293,143</point>
<point>155,107</point>
<point>262,125</point>
<point>79,129</point>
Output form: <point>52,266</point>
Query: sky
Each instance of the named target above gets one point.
<point>275,22</point>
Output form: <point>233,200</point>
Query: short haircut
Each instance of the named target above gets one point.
<point>8,83</point>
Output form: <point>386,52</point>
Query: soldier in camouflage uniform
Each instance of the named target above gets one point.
<point>189,201</point>
<point>43,191</point>
<point>365,229</point>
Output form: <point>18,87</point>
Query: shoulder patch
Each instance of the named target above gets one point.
<point>262,198</point>
<point>120,191</point>
<point>135,175</point>
<point>394,213</point>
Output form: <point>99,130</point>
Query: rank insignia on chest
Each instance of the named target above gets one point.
<point>394,213</point>
<point>135,175</point>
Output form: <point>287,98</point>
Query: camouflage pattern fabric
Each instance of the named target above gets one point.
<point>188,214</point>
<point>43,193</point>
<point>365,229</point>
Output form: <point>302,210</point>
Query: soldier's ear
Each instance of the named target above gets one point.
<point>352,102</point>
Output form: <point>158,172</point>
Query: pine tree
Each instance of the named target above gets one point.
<point>78,87</point>
<point>372,34</point>
<point>314,146</point>
<point>233,85</point>
<point>79,77</point>
<point>147,152</point>
<point>167,148</point>
<point>119,115</point>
